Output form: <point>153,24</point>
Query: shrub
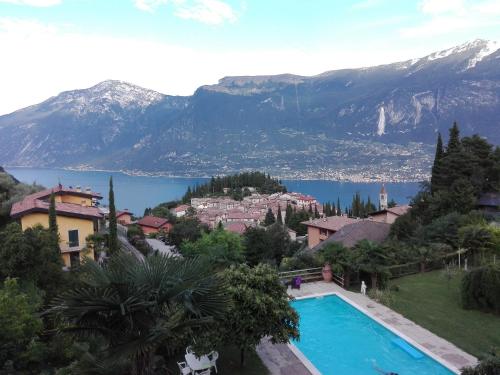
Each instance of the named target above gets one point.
<point>480,289</point>
<point>488,366</point>
<point>383,296</point>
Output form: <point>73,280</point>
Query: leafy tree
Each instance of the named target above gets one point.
<point>487,366</point>
<point>392,203</point>
<point>257,246</point>
<point>480,288</point>
<point>139,306</point>
<point>30,255</point>
<point>269,219</point>
<point>477,238</point>
<point>279,241</point>
<point>260,308</point>
<point>296,220</point>
<point>186,229</point>
<point>19,326</point>
<point>220,246</point>
<point>113,230</point>
<point>341,258</point>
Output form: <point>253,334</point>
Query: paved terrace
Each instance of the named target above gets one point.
<point>280,360</point>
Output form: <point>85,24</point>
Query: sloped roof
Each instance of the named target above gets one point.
<point>396,210</point>
<point>152,221</point>
<point>332,223</point>
<point>351,234</point>
<point>35,203</point>
<point>125,212</point>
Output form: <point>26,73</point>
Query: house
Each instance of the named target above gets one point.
<point>76,215</point>
<point>489,202</point>
<point>181,210</point>
<point>389,215</point>
<point>349,235</point>
<point>153,224</point>
<point>319,230</point>
<point>237,227</point>
<point>124,217</point>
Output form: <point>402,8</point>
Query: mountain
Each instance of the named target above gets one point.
<point>376,122</point>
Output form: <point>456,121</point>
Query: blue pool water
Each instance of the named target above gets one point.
<point>341,340</point>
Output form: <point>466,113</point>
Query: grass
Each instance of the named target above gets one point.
<point>431,301</point>
<point>229,363</point>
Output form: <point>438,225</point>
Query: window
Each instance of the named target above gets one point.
<point>73,238</point>
<point>74,259</point>
<point>323,232</point>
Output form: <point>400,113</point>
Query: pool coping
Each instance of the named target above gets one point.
<point>308,364</point>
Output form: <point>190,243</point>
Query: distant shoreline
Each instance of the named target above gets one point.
<point>168,175</point>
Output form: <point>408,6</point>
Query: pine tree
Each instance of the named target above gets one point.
<point>279,218</point>
<point>54,233</point>
<point>113,230</point>
<point>269,219</point>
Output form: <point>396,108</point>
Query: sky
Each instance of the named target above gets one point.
<point>175,46</point>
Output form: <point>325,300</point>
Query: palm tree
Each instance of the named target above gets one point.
<point>372,258</point>
<point>139,305</point>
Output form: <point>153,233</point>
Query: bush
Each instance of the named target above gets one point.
<point>489,366</point>
<point>480,289</point>
<point>383,296</point>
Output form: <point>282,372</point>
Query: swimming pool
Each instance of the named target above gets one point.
<point>339,339</point>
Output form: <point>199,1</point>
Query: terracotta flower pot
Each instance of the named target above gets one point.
<point>327,273</point>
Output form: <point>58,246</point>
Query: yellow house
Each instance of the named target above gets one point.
<point>76,214</point>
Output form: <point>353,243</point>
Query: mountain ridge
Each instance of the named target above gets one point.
<point>336,124</point>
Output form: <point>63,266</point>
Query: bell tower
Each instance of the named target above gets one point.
<point>382,198</point>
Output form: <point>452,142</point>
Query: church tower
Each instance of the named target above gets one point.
<point>382,198</point>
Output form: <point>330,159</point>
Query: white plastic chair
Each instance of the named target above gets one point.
<point>184,368</point>
<point>213,356</point>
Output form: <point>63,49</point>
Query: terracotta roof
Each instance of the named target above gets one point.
<point>60,190</point>
<point>121,213</point>
<point>333,223</point>
<point>182,207</point>
<point>152,221</point>
<point>34,203</point>
<point>397,210</point>
<point>236,227</point>
<point>350,234</point>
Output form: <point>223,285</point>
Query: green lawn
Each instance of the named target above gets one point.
<point>229,363</point>
<point>428,300</point>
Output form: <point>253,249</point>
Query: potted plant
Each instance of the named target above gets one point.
<point>327,272</point>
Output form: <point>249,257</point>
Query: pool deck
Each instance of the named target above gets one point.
<point>280,359</point>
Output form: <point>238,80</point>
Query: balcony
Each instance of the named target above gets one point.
<point>68,247</point>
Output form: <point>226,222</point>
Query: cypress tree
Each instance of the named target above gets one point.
<point>54,233</point>
<point>436,167</point>
<point>269,219</point>
<point>339,209</point>
<point>454,141</point>
<point>288,213</point>
<point>279,218</point>
<point>113,230</point>
<point>316,213</point>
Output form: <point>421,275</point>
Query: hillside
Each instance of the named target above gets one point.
<point>356,123</point>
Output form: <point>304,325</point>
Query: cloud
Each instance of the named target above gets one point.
<point>149,5</point>
<point>451,16</point>
<point>40,60</point>
<point>210,12</point>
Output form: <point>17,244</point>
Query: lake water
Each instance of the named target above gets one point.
<point>138,192</point>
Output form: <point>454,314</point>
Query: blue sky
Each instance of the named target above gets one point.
<point>174,46</point>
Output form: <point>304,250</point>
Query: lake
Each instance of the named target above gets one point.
<point>138,192</point>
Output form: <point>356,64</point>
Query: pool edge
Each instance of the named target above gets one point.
<point>427,352</point>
